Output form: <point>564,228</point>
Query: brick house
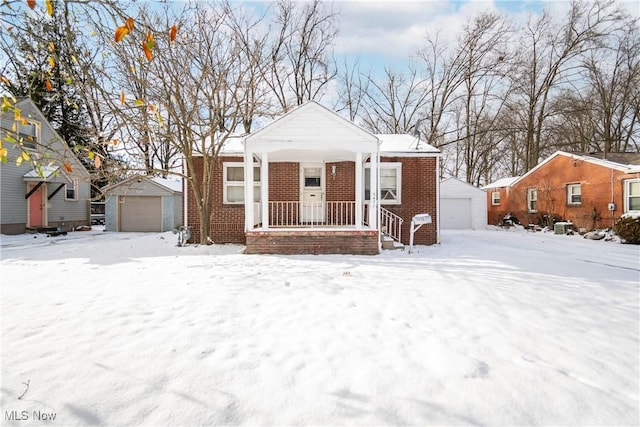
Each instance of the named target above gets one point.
<point>328,186</point>
<point>590,190</point>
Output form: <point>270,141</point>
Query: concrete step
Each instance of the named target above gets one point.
<point>389,244</point>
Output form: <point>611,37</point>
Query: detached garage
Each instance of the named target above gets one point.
<point>462,206</point>
<point>143,203</point>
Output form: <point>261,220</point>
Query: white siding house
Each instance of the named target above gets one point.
<point>50,195</point>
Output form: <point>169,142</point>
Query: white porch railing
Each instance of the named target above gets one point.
<point>390,224</point>
<point>310,214</point>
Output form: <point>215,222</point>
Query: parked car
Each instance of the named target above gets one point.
<point>97,213</point>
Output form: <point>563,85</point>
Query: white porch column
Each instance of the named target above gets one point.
<point>359,190</point>
<point>248,191</point>
<point>264,190</point>
<point>373,186</point>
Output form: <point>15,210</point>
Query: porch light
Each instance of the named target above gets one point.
<point>333,171</point>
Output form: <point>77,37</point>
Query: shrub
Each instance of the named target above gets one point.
<point>628,228</point>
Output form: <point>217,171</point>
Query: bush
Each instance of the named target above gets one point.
<point>628,228</point>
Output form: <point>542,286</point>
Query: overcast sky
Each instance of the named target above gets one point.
<point>387,32</point>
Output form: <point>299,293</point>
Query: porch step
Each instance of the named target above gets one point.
<point>389,244</point>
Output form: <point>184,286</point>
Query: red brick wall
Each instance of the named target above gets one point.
<point>227,221</point>
<point>419,184</point>
<point>551,180</point>
<point>361,242</point>
<point>419,181</point>
<point>495,214</point>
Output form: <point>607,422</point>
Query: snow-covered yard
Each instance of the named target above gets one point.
<point>490,327</point>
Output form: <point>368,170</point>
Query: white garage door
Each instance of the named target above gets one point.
<point>140,213</point>
<point>455,214</point>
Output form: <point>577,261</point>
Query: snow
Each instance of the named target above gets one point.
<point>502,182</point>
<point>491,327</point>
<point>170,183</point>
<point>403,143</point>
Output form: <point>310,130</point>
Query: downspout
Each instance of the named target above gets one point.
<point>185,200</point>
<point>438,199</point>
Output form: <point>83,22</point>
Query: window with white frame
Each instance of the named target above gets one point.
<point>632,195</point>
<point>23,132</point>
<point>71,190</point>
<point>233,186</point>
<point>27,134</point>
<point>390,183</point>
<point>574,194</point>
<point>532,200</point>
<point>495,198</point>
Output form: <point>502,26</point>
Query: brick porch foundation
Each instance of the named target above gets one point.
<point>354,242</point>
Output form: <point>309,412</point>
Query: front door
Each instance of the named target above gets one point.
<point>312,185</point>
<point>36,206</point>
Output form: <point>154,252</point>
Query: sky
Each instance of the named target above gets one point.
<point>387,32</point>
<point>490,327</point>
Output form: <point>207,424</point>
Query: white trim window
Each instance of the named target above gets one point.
<point>632,195</point>
<point>495,198</point>
<point>390,183</point>
<point>532,200</point>
<point>233,183</point>
<point>24,132</point>
<point>574,195</point>
<point>71,190</point>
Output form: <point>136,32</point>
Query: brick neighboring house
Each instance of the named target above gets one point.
<point>319,187</point>
<point>590,190</point>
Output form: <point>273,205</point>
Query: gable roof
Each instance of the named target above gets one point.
<point>455,184</point>
<point>61,152</point>
<point>594,159</point>
<point>404,144</point>
<point>502,182</point>
<point>295,126</point>
<point>171,186</point>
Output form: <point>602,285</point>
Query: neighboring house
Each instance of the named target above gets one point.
<point>142,203</point>
<point>321,185</point>
<point>590,190</point>
<point>497,197</point>
<point>54,195</point>
<point>462,206</point>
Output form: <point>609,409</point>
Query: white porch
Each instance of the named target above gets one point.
<point>314,138</point>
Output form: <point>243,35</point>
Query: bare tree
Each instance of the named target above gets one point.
<point>301,55</point>
<point>201,81</point>
<point>393,104</point>
<point>549,52</point>
<point>352,86</point>
<point>613,76</point>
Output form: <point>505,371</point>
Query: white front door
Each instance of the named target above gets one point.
<point>312,185</point>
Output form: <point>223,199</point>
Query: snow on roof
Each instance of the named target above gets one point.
<point>47,171</point>
<point>403,143</point>
<point>503,182</point>
<point>171,184</point>
<point>389,143</point>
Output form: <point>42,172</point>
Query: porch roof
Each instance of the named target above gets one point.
<point>311,132</point>
<point>46,174</point>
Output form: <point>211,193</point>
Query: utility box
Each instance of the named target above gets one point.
<point>562,227</point>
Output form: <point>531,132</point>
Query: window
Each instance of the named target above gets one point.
<point>532,200</point>
<point>72,190</point>
<point>574,194</point>
<point>390,183</point>
<point>233,186</point>
<point>28,134</point>
<point>632,195</point>
<point>495,198</point>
